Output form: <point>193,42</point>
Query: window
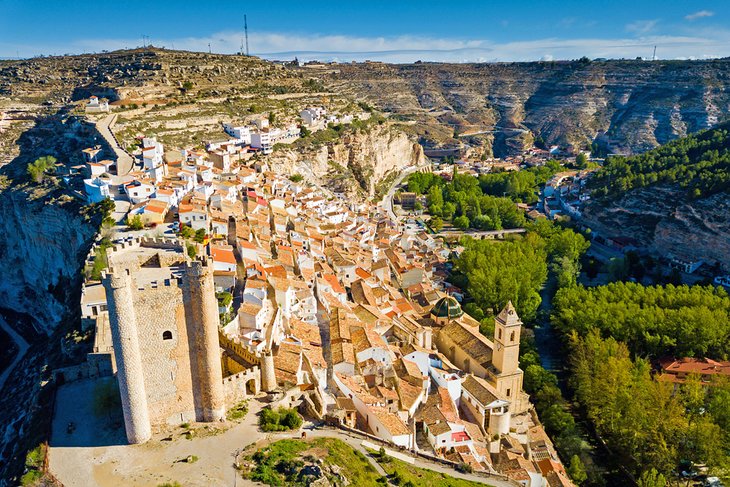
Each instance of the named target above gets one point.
<point>500,334</point>
<point>512,337</point>
<point>508,392</point>
<point>167,335</point>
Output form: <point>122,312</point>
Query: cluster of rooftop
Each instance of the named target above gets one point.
<point>332,306</point>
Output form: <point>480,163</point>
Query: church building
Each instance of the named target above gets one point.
<point>496,361</point>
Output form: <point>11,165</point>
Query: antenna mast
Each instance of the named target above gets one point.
<point>245,30</point>
<point>653,58</point>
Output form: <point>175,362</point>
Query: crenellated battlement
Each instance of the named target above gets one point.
<point>162,283</point>
<point>173,244</point>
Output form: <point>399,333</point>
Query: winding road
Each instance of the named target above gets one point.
<point>387,201</point>
<point>125,162</point>
<point>22,348</point>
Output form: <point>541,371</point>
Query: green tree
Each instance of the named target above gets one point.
<point>200,235</point>
<point>651,478</point>
<point>461,222</point>
<point>436,224</point>
<point>272,118</point>
<point>192,250</point>
<point>576,470</point>
<point>37,169</point>
<point>581,161</point>
<point>135,222</point>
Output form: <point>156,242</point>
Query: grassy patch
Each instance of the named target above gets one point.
<point>401,473</point>
<point>238,412</point>
<point>288,462</point>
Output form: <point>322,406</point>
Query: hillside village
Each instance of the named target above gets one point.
<point>299,296</point>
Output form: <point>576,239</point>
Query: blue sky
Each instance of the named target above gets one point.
<point>390,31</point>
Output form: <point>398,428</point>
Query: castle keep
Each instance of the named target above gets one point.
<point>164,321</point>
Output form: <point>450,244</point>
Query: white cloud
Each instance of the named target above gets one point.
<point>641,26</point>
<point>403,49</point>
<point>699,14</point>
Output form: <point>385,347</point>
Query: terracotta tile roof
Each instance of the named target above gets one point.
<point>700,366</point>
<point>221,254</point>
<point>287,362</point>
<point>391,421</point>
<point>474,344</point>
<point>480,389</point>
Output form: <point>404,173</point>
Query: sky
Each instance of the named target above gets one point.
<point>391,31</point>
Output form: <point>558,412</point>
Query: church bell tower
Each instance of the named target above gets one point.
<point>507,327</point>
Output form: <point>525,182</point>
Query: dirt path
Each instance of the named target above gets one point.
<point>22,348</point>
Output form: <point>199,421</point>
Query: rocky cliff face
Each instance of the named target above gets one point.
<point>43,243</point>
<point>665,221</point>
<point>626,106</point>
<point>367,155</point>
<point>41,247</point>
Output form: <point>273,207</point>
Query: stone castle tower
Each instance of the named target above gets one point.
<point>164,321</point>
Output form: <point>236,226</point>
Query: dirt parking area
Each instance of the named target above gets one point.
<point>94,452</point>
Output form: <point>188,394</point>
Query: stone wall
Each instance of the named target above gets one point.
<point>166,362</point>
<point>236,387</point>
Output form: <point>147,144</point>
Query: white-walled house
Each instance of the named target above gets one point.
<point>223,258</point>
<point>262,140</point>
<point>379,420</point>
<point>139,190</point>
<point>96,189</point>
<point>239,132</point>
<point>194,215</point>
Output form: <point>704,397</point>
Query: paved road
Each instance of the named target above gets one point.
<point>387,201</point>
<point>486,233</point>
<point>22,348</point>
<point>124,161</point>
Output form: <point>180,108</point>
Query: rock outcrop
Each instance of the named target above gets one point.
<point>368,155</point>
<point>41,247</point>
<point>663,220</point>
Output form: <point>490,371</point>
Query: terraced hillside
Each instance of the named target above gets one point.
<point>624,106</point>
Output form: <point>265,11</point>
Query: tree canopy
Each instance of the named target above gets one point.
<point>652,320</point>
<point>698,163</point>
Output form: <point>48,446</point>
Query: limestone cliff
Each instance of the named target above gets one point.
<point>624,106</point>
<point>43,242</point>
<point>661,219</point>
<point>41,247</point>
<point>368,155</point>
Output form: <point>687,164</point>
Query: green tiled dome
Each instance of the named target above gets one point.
<point>447,307</point>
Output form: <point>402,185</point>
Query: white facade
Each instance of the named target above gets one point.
<point>240,133</point>
<point>262,140</point>
<point>96,190</point>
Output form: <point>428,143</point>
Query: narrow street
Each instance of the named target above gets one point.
<point>125,162</point>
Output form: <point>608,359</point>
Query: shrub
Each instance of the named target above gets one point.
<point>282,419</point>
<point>38,168</point>
<point>192,251</point>
<point>186,231</point>
<point>199,235</point>
<point>135,222</point>
<point>296,178</point>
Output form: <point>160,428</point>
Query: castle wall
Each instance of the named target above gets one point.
<point>236,387</point>
<point>130,371</point>
<point>167,371</point>
<point>201,312</point>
